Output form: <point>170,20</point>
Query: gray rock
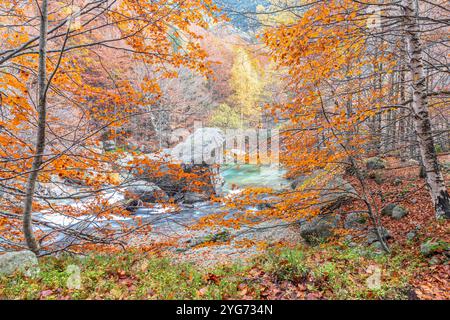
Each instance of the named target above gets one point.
<point>377,176</point>
<point>399,212</point>
<point>412,162</point>
<point>375,163</point>
<point>430,248</point>
<point>434,261</point>
<point>387,210</point>
<point>445,167</point>
<point>372,235</point>
<point>397,182</point>
<point>333,194</point>
<point>337,189</point>
<point>193,197</point>
<point>169,181</point>
<point>426,249</point>
<point>377,246</point>
<point>22,261</point>
<point>379,179</point>
<point>410,236</point>
<point>395,211</point>
<point>356,220</point>
<point>319,228</point>
<point>146,191</point>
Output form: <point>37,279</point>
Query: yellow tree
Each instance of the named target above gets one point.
<point>247,83</point>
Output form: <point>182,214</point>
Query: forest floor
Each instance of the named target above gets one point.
<point>338,269</point>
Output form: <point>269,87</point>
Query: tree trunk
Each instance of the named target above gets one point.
<point>422,123</point>
<point>40,138</point>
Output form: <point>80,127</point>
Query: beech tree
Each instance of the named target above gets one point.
<point>422,123</point>
<point>59,89</point>
<point>347,73</point>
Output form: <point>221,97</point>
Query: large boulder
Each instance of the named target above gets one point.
<point>146,192</point>
<point>20,261</point>
<point>205,145</point>
<point>319,228</point>
<point>175,177</point>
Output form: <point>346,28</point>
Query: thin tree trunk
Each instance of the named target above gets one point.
<point>40,139</point>
<point>421,117</point>
<point>402,141</point>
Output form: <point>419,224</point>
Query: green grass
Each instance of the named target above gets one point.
<point>335,272</point>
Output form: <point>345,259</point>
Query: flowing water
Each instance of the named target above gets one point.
<point>236,178</point>
<point>247,175</point>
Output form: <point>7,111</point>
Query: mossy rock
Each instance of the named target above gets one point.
<point>356,220</point>
<point>375,163</point>
<point>430,248</point>
<point>319,229</point>
<point>395,211</point>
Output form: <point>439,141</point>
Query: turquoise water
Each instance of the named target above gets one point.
<point>247,175</point>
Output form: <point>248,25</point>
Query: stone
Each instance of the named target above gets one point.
<point>377,246</point>
<point>412,162</point>
<point>222,236</point>
<point>19,261</point>
<point>434,261</point>
<point>319,228</point>
<point>430,248</point>
<point>332,194</point>
<point>356,220</point>
<point>397,182</point>
<point>193,197</point>
<point>445,167</point>
<point>399,212</point>
<point>297,181</point>
<point>410,236</point>
<point>146,191</point>
<point>375,163</point>
<point>387,210</point>
<point>395,211</point>
<point>372,235</point>
<point>376,176</point>
<point>379,179</point>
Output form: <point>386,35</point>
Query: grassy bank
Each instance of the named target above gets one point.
<point>330,272</point>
